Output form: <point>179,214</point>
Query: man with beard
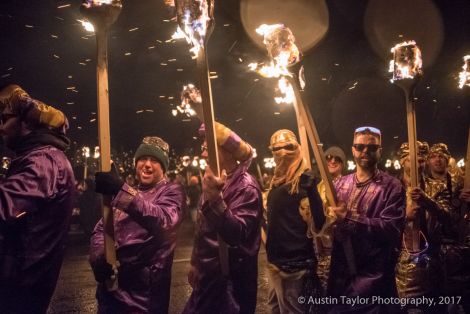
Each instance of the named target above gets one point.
<point>145,223</point>
<point>371,213</point>
<point>455,248</point>
<point>36,200</point>
<point>230,209</point>
<point>291,202</point>
<point>419,273</point>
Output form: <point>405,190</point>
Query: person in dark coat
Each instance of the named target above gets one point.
<point>146,219</point>
<point>36,201</point>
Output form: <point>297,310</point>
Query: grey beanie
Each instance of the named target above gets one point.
<point>336,152</point>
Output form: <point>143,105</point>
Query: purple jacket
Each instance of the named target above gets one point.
<point>239,226</point>
<point>36,200</point>
<point>375,222</point>
<point>145,223</point>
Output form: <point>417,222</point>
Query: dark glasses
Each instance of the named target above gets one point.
<point>333,158</point>
<point>203,148</point>
<point>371,129</point>
<point>290,147</point>
<point>370,147</point>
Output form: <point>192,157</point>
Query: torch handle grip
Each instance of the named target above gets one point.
<point>317,148</point>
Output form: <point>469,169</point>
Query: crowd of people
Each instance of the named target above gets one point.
<point>377,237</point>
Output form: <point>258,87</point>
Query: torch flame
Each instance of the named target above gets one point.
<point>287,90</point>
<point>87,25</point>
<point>464,76</point>
<point>194,18</point>
<point>189,94</point>
<point>280,43</point>
<point>407,62</point>
<point>90,3</point>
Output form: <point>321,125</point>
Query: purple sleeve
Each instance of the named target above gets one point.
<point>389,225</point>
<point>164,212</point>
<point>97,245</point>
<point>237,220</point>
<point>23,192</point>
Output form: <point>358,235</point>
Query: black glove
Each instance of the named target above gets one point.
<point>107,183</point>
<point>308,181</point>
<point>103,271</point>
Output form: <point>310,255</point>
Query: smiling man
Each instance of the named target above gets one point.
<point>145,223</point>
<point>371,212</point>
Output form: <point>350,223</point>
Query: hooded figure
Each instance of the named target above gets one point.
<point>231,208</point>
<point>36,200</point>
<point>146,219</point>
<point>292,204</point>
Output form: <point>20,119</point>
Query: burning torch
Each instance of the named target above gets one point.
<point>464,80</point>
<point>406,67</point>
<point>279,42</point>
<point>102,14</point>
<point>284,53</point>
<point>196,21</point>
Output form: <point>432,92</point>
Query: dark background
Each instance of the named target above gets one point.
<point>46,50</point>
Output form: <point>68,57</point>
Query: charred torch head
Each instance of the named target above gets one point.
<point>101,13</point>
<point>406,61</point>
<point>280,43</point>
<point>196,19</point>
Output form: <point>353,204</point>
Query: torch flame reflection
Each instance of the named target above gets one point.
<point>407,62</point>
<point>464,76</point>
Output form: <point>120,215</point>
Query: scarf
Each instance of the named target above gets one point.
<point>289,166</point>
<point>41,137</point>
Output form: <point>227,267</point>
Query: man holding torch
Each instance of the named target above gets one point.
<point>231,207</point>
<point>36,201</point>
<point>419,273</point>
<point>455,248</point>
<point>371,213</point>
<point>145,223</point>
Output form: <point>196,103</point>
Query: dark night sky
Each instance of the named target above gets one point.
<point>45,50</point>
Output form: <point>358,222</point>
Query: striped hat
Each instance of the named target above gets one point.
<point>230,141</point>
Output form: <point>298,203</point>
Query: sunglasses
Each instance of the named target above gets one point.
<point>203,148</point>
<point>370,147</point>
<point>290,147</point>
<point>333,158</point>
<point>371,129</point>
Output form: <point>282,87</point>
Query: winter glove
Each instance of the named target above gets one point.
<point>16,101</point>
<point>103,271</point>
<point>308,181</point>
<point>107,183</point>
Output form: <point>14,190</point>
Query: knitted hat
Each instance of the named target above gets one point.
<point>155,147</point>
<point>423,149</point>
<point>335,151</point>
<point>440,148</point>
<point>230,141</point>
